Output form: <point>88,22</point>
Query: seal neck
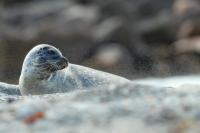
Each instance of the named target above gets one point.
<point>30,79</point>
<point>34,74</point>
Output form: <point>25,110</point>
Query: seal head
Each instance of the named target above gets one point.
<point>40,64</point>
<point>42,61</point>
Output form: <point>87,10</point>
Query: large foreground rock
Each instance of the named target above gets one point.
<point>123,108</point>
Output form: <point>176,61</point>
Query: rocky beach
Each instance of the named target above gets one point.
<point>123,108</point>
<point>155,43</point>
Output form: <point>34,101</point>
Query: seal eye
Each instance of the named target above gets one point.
<point>51,52</point>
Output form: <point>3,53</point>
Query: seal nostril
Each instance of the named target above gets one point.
<point>63,63</point>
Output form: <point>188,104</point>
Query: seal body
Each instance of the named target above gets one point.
<point>73,77</point>
<point>45,70</point>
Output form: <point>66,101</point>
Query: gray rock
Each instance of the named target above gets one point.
<point>9,89</point>
<point>118,108</point>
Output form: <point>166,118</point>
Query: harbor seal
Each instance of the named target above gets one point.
<point>45,70</point>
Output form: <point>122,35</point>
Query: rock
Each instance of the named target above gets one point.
<point>146,107</point>
<point>188,45</point>
<point>189,28</point>
<point>157,30</point>
<point>183,7</point>
<point>111,57</point>
<point>186,14</point>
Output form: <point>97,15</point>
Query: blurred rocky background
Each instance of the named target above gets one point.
<point>131,38</point>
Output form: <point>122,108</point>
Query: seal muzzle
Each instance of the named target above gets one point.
<point>62,63</point>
